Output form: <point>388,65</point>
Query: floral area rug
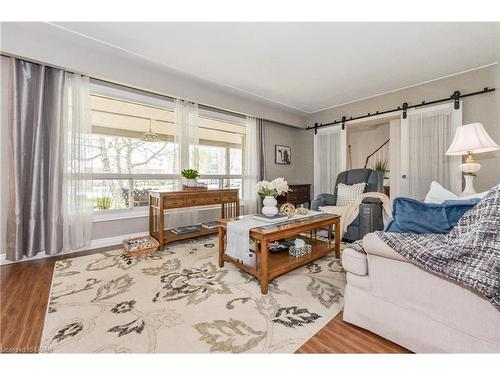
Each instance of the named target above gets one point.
<point>180,301</point>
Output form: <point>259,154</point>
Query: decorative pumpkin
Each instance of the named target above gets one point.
<point>301,211</point>
<point>287,209</point>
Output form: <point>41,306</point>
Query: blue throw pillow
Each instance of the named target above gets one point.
<point>455,209</point>
<point>412,216</point>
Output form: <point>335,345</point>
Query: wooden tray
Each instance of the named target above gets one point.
<point>154,245</point>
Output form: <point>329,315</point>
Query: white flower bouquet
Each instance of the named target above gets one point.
<point>273,188</point>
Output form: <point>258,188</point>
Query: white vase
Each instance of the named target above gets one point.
<point>270,204</point>
<point>191,182</point>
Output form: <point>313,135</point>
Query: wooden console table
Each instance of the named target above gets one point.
<point>269,266</point>
<point>160,200</point>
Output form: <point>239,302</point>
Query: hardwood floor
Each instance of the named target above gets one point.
<point>24,291</point>
<point>341,337</point>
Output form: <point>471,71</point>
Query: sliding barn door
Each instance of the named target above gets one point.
<point>329,158</point>
<point>426,134</point>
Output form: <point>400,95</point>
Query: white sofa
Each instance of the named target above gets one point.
<point>424,313</point>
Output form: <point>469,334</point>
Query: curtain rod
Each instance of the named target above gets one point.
<point>455,97</point>
<point>220,110</point>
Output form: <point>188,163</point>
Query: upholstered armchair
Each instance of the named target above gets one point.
<point>370,210</point>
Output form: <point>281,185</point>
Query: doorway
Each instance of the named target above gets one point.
<point>369,145</point>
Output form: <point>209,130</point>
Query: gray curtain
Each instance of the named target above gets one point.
<point>261,139</point>
<point>35,218</point>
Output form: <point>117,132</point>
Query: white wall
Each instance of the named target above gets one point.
<point>300,171</point>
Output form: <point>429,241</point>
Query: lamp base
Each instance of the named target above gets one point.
<point>469,185</point>
<point>470,167</point>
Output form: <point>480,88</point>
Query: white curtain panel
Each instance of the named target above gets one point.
<point>430,133</point>
<point>395,157</point>
<point>77,188</point>
<point>187,140</point>
<point>250,167</point>
<point>328,159</point>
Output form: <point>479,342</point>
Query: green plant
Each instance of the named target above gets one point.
<point>380,165</point>
<point>103,203</point>
<point>190,174</point>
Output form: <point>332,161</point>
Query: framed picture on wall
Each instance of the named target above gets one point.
<point>283,154</point>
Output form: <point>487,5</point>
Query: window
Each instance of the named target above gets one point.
<point>125,167</point>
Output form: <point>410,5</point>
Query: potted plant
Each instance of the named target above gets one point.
<point>381,166</point>
<point>269,191</point>
<point>103,203</point>
<point>190,175</point>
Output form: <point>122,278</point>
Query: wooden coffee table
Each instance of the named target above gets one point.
<point>269,266</point>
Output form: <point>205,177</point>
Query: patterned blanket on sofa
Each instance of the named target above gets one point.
<point>469,255</point>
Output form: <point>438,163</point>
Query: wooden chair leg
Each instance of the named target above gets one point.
<point>264,271</point>
<point>221,246</point>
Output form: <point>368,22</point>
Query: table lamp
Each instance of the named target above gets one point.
<point>471,139</point>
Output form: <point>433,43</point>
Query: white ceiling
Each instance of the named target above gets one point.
<point>305,66</point>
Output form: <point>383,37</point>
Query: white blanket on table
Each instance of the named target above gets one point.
<point>238,236</point>
<point>350,212</point>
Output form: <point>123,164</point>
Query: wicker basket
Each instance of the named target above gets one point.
<point>140,245</point>
<point>300,251</point>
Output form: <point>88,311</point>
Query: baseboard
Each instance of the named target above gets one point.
<point>95,244</point>
<point>110,241</point>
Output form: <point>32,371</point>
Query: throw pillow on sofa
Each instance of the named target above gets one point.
<point>347,194</point>
<point>412,216</point>
<point>438,194</point>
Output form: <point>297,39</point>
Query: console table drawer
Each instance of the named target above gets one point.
<point>228,198</point>
<point>201,201</point>
<point>174,202</point>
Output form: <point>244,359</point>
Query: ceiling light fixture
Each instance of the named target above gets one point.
<point>149,136</point>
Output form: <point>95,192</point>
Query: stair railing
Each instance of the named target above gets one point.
<point>379,154</point>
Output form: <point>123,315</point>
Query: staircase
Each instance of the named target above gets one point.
<point>380,155</point>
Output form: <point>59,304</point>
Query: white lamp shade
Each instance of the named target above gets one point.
<point>471,138</point>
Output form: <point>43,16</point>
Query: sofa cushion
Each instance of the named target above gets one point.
<point>412,216</point>
<point>354,262</point>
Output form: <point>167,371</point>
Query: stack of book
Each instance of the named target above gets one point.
<point>210,225</point>
<point>186,230</point>
<point>281,245</point>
